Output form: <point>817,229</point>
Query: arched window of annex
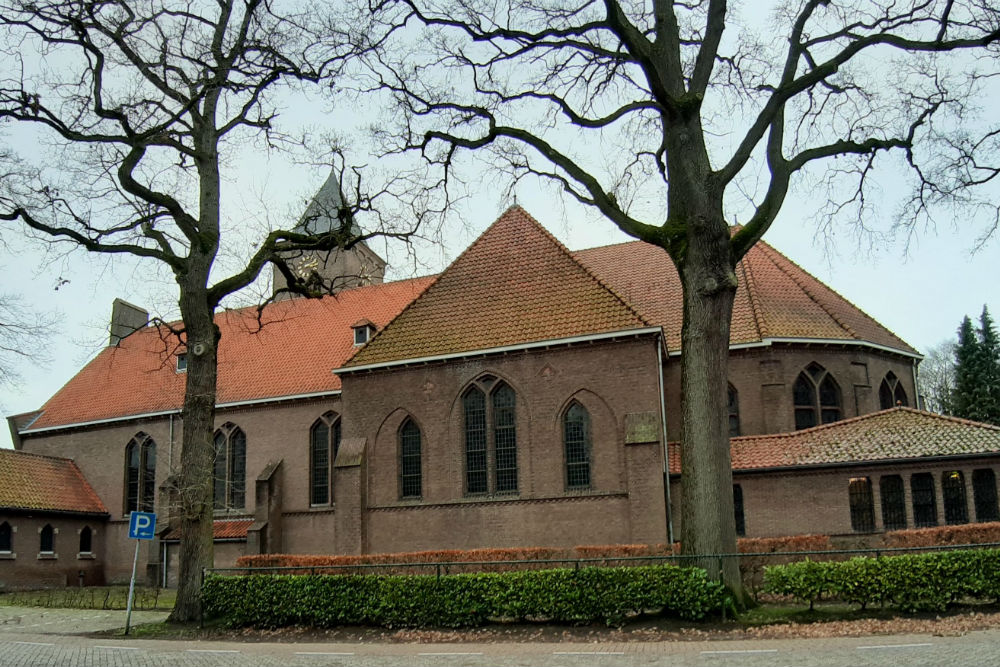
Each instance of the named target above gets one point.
<point>230,467</point>
<point>816,397</point>
<point>140,474</point>
<point>410,471</point>
<point>6,538</point>
<point>891,392</point>
<point>733,401</point>
<point>47,539</point>
<point>324,443</point>
<point>577,446</point>
<point>86,540</point>
<point>489,426</point>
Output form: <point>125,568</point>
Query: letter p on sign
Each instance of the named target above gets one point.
<point>141,525</point>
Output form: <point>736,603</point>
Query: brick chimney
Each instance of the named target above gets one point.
<point>125,318</point>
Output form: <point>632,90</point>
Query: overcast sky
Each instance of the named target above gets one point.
<point>919,286</point>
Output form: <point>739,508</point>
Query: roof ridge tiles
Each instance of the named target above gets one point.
<point>17,452</point>
<point>749,284</point>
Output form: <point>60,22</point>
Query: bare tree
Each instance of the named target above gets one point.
<point>24,334</point>
<point>669,117</point>
<point>144,103</point>
<point>936,380</point>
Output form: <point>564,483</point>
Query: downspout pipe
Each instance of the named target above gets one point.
<point>663,436</point>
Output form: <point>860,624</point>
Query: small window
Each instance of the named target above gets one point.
<point>46,540</point>
<point>410,479</point>
<point>862,505</point>
<point>86,540</point>
<point>363,331</point>
<point>741,524</point>
<point>734,412</point>
<point>6,538</point>
<point>984,493</point>
<point>576,446</point>
<point>924,502</point>
<point>893,502</point>
<point>891,392</point>
<point>182,362</point>
<point>956,509</point>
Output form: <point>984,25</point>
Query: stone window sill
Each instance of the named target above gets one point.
<point>7,555</point>
<point>48,555</point>
<point>87,555</point>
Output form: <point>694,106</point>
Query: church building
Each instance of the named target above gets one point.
<point>526,396</point>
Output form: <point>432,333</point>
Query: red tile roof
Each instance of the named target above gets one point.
<point>48,483</point>
<point>515,284</point>
<point>301,341</point>
<point>222,529</point>
<point>775,299</point>
<point>893,434</point>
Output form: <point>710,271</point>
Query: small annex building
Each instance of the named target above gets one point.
<point>522,397</point>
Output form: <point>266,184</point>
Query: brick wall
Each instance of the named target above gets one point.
<point>26,567</point>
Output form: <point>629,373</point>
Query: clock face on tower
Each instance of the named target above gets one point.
<point>304,266</point>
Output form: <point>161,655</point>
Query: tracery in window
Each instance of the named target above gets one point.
<point>490,428</point>
<point>230,467</point>
<point>324,443</point>
<point>140,474</point>
<point>891,392</point>
<point>816,397</point>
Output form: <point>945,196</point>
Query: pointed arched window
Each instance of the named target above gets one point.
<point>577,446</point>
<point>410,479</point>
<point>230,468</point>
<point>816,396</point>
<point>891,392</point>
<point>140,474</point>
<point>324,443</point>
<point>490,428</point>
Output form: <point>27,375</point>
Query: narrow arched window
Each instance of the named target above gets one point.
<point>324,443</point>
<point>893,502</point>
<point>86,540</point>
<point>734,412</point>
<point>862,504</point>
<point>891,392</point>
<point>738,514</point>
<point>577,446</point>
<point>924,502</point>
<point>984,493</point>
<point>956,509</point>
<point>140,474</point>
<point>410,479</point>
<point>474,408</point>
<point>816,397</point>
<point>6,538</point>
<point>46,540</point>
<point>505,438</point>
<point>230,467</point>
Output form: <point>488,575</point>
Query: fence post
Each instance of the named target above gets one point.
<point>438,568</point>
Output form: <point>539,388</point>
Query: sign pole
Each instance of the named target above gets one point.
<point>131,589</point>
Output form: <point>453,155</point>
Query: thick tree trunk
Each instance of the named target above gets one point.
<point>197,459</point>
<point>708,524</point>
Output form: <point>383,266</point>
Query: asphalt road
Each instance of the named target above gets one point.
<point>27,641</point>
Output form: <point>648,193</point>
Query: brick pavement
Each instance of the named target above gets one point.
<point>41,637</point>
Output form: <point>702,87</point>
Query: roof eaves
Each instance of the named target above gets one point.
<point>500,350</point>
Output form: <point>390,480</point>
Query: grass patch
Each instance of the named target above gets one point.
<point>92,597</point>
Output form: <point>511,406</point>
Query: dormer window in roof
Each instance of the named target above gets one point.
<point>182,362</point>
<point>363,331</point>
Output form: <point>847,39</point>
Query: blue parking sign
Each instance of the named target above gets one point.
<point>141,525</point>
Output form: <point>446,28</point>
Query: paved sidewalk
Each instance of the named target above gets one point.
<point>35,620</point>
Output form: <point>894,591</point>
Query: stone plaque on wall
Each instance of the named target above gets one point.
<point>641,427</point>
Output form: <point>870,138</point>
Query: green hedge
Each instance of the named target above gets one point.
<point>461,600</point>
<point>922,582</point>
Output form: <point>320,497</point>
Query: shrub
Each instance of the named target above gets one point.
<point>460,600</point>
<point>969,533</point>
<point>912,582</point>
